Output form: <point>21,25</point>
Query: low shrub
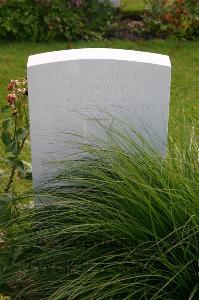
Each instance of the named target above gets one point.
<point>46,20</point>
<point>15,132</point>
<point>163,18</point>
<point>125,225</point>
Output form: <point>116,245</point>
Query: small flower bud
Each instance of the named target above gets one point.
<point>11,99</point>
<point>12,85</point>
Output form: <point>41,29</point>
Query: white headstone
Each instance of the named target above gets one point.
<point>116,3</point>
<point>70,90</point>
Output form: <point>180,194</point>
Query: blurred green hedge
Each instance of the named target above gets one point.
<point>50,20</point>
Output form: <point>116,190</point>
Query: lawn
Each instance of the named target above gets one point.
<point>132,5</point>
<point>184,58</point>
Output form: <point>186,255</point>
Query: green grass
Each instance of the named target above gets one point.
<point>133,5</point>
<point>184,56</point>
<point>125,226</point>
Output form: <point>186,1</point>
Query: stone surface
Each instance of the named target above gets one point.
<point>72,91</point>
<point>116,3</point>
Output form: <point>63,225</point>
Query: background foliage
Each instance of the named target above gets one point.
<point>47,20</point>
<point>44,20</point>
<point>180,18</point>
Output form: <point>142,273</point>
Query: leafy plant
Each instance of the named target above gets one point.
<point>124,224</point>
<point>15,130</point>
<point>43,20</point>
<point>163,18</point>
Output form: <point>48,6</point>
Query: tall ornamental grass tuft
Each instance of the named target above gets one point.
<point>125,225</point>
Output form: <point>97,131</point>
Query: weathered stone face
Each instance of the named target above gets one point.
<point>74,90</point>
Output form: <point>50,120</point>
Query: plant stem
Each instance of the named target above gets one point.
<point>14,169</point>
<point>10,180</point>
<point>15,129</point>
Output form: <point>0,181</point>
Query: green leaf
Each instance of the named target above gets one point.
<point>15,163</point>
<point>25,174</point>
<point>19,164</point>
<point>6,123</point>
<point>22,133</point>
<point>11,161</point>
<point>6,138</point>
<point>15,148</point>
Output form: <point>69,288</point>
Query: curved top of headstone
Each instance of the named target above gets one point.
<point>98,53</point>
